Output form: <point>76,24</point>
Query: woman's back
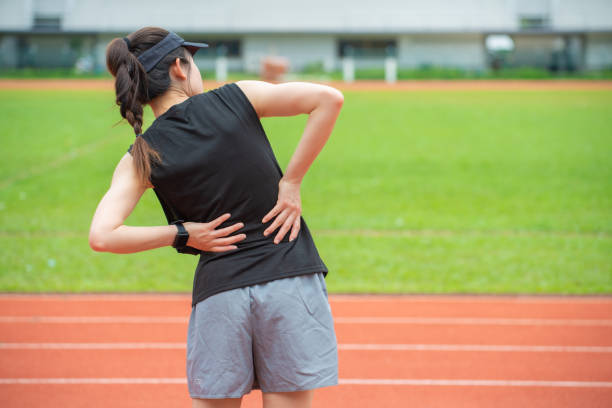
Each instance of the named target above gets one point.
<point>216,158</point>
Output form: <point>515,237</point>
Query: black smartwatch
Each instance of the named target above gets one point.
<point>180,241</point>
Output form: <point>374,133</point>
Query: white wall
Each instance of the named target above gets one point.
<point>230,16</point>
<point>15,15</point>
<point>286,16</point>
<point>581,15</point>
<point>332,16</point>
<point>461,51</point>
<point>282,16</point>
<point>300,50</point>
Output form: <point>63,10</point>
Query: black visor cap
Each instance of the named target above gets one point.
<point>172,41</point>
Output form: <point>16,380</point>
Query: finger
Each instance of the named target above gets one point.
<point>222,248</point>
<point>286,225</point>
<point>280,218</point>
<point>271,214</point>
<point>219,220</point>
<point>228,230</point>
<point>229,240</point>
<point>296,228</point>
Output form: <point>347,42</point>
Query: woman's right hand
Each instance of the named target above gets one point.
<point>204,236</point>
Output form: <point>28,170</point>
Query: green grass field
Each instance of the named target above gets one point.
<point>460,192</point>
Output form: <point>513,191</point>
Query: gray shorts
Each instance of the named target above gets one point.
<point>277,336</point>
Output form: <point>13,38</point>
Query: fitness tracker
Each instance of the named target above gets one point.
<point>180,241</point>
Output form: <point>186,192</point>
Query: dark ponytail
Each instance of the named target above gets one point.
<point>135,87</point>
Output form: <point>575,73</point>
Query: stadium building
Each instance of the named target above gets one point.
<point>467,34</point>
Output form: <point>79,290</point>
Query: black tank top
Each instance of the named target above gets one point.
<point>216,158</point>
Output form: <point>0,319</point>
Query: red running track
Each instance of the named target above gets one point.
<point>395,351</point>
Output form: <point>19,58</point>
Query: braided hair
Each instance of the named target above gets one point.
<point>134,87</point>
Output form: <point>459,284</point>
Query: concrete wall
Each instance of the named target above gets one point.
<point>300,50</point>
<point>459,51</point>
<point>273,16</point>
<point>15,15</point>
<point>590,15</point>
<point>241,16</point>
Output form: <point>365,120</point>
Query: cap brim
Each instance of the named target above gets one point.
<point>193,46</point>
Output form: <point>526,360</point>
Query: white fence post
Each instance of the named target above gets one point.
<point>221,64</point>
<point>390,69</point>
<point>348,65</point>
<point>390,65</point>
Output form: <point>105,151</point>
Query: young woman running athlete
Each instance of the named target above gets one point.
<point>260,316</point>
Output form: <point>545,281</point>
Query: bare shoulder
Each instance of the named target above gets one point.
<point>287,98</point>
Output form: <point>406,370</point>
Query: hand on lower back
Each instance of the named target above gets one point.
<point>287,211</point>
<point>204,236</point>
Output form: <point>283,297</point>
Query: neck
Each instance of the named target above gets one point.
<point>163,102</point>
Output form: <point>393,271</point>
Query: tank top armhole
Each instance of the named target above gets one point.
<point>248,107</point>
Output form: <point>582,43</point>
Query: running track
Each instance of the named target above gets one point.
<point>395,351</point>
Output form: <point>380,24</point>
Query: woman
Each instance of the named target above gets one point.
<point>260,317</point>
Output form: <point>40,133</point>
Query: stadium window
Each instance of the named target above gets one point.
<point>367,48</point>
<point>533,22</point>
<point>533,14</point>
<point>45,23</point>
<point>47,14</point>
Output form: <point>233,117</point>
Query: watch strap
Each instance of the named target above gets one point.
<point>182,236</point>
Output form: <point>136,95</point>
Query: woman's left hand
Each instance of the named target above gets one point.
<point>287,211</point>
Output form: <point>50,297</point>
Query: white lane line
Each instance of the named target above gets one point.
<point>93,319</point>
<point>473,321</point>
<point>475,347</point>
<point>470,298</point>
<point>357,297</point>
<point>95,297</point>
<point>341,346</point>
<point>486,383</point>
<point>338,320</point>
<point>341,381</point>
<point>93,381</point>
<point>91,346</point>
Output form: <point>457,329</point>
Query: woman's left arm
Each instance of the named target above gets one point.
<point>107,232</point>
<point>288,209</point>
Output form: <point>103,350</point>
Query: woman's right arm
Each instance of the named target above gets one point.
<point>108,233</point>
<point>322,103</point>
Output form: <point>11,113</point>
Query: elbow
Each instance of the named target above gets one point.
<point>331,101</point>
<point>339,101</point>
<point>97,243</point>
<point>340,98</point>
<point>336,97</point>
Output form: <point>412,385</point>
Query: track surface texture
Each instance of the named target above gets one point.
<point>128,350</point>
